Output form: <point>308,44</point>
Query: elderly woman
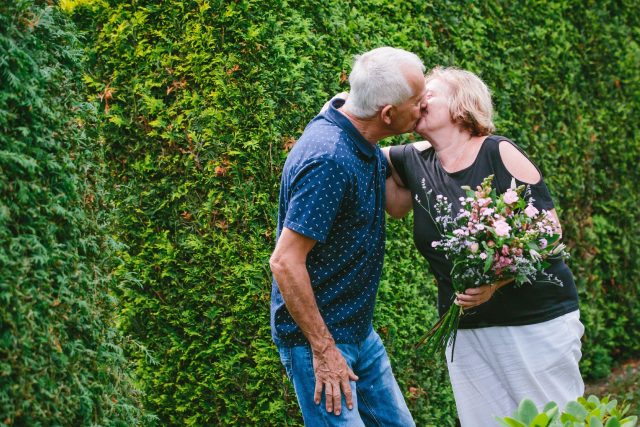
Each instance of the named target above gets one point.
<point>513,342</point>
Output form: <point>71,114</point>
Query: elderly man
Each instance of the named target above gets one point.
<point>328,258</point>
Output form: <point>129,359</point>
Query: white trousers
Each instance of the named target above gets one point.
<point>494,368</point>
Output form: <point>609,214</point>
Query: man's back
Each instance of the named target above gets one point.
<point>332,191</point>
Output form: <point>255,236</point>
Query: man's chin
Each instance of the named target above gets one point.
<point>416,126</point>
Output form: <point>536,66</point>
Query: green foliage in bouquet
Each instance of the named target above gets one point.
<point>61,360</point>
<point>589,412</point>
<point>200,102</point>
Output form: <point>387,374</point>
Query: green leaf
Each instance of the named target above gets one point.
<point>613,422</point>
<point>540,420</point>
<point>593,399</point>
<point>510,422</point>
<point>549,406</point>
<point>629,421</point>
<point>527,411</point>
<point>488,261</point>
<point>576,410</point>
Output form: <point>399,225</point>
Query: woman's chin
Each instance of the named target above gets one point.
<point>420,129</point>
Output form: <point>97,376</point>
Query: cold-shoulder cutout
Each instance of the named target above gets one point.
<point>421,145</point>
<point>518,165</point>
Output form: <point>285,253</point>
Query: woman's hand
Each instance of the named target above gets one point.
<point>473,297</point>
<point>341,95</point>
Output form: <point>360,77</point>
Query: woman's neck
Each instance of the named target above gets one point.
<point>455,148</point>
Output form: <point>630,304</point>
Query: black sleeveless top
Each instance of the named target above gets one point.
<point>510,305</point>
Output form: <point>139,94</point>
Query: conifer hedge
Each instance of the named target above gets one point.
<point>61,361</point>
<point>201,101</point>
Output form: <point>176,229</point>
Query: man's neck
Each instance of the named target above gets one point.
<point>370,129</point>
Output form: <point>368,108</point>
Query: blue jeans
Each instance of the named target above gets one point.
<point>377,400</point>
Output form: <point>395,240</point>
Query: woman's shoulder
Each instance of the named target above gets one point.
<point>409,151</point>
<point>518,164</point>
<point>420,146</point>
<point>515,160</point>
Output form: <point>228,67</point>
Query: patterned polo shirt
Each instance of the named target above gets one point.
<point>332,191</point>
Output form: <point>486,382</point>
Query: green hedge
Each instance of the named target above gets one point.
<point>61,361</point>
<point>201,101</point>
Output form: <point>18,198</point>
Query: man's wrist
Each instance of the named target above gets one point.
<point>322,344</point>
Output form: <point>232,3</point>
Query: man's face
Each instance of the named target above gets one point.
<point>406,115</point>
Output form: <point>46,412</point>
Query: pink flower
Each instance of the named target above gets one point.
<point>474,247</point>
<point>502,228</point>
<point>531,211</point>
<point>510,197</point>
<point>486,211</point>
<point>543,243</point>
<point>483,256</point>
<point>484,202</point>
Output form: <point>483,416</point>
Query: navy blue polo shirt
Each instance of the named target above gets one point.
<point>332,191</point>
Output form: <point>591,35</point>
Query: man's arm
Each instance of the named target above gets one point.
<point>288,264</point>
<point>398,198</point>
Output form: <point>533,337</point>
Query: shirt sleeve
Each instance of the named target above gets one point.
<point>541,195</point>
<point>385,164</point>
<point>397,154</point>
<point>317,191</point>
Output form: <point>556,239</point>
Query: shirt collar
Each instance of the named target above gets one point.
<point>332,114</point>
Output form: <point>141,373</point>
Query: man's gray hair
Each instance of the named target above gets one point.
<point>378,78</point>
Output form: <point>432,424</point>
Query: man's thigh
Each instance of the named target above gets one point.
<point>298,362</point>
<point>380,400</point>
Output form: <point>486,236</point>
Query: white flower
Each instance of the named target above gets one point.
<point>535,255</point>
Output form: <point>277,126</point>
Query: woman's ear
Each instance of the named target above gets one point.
<point>386,113</point>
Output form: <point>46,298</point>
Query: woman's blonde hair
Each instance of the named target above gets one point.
<point>470,103</point>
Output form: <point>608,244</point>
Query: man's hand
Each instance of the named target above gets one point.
<point>288,264</point>
<point>333,374</point>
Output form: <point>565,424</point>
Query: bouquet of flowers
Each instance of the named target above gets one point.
<point>493,238</point>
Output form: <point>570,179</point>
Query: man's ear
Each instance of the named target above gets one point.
<point>386,113</point>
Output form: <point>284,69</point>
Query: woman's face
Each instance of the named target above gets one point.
<point>436,113</point>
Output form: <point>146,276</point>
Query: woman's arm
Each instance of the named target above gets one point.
<point>398,198</point>
<point>521,168</point>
